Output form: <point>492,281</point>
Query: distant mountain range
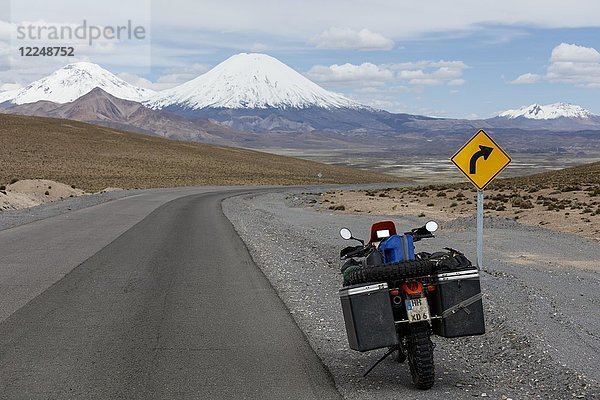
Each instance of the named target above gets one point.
<point>254,100</point>
<point>73,81</point>
<point>550,111</point>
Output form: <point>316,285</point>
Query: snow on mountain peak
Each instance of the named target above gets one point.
<point>73,81</point>
<point>549,111</point>
<point>250,80</point>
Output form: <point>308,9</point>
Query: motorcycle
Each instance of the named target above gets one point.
<point>397,299</point>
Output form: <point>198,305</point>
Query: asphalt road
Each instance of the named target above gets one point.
<point>172,308</point>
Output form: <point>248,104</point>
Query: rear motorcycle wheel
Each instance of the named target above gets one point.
<point>420,355</point>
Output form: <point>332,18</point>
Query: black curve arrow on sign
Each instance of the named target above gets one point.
<point>484,152</point>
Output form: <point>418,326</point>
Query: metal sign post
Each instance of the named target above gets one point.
<point>479,229</point>
<point>480,159</point>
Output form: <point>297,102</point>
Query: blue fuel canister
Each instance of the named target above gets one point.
<point>397,248</point>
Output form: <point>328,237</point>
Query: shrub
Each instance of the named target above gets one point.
<point>14,180</point>
<point>570,188</point>
<point>526,204</point>
<point>594,192</point>
<point>47,193</point>
<point>441,194</point>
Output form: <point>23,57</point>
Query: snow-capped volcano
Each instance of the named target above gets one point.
<point>73,81</point>
<point>549,111</point>
<point>250,81</point>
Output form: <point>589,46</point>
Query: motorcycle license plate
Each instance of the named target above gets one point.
<point>417,309</point>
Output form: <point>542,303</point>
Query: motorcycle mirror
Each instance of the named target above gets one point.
<point>432,226</point>
<point>345,234</point>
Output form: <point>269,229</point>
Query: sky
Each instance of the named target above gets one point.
<point>459,59</point>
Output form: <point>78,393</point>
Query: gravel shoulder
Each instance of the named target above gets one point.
<point>540,298</point>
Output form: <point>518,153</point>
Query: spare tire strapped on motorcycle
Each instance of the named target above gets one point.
<point>390,272</point>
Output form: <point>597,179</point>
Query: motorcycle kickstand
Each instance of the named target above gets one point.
<point>401,355</point>
<point>390,351</point>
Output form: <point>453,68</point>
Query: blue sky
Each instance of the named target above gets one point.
<point>462,59</point>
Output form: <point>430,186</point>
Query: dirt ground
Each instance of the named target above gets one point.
<point>574,209</point>
<point>32,192</point>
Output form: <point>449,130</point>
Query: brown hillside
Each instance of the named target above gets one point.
<point>93,157</point>
<point>587,174</point>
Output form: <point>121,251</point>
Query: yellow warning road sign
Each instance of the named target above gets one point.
<point>481,159</point>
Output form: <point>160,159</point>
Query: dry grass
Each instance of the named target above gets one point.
<point>567,200</point>
<point>93,157</point>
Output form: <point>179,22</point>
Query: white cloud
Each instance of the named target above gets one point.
<point>411,74</point>
<point>4,87</point>
<point>346,38</point>
<point>182,74</point>
<point>456,82</point>
<point>574,64</point>
<point>258,47</point>
<point>425,82</point>
<point>6,29</point>
<point>380,85</point>
<point>573,53</point>
<point>526,79</point>
<point>349,72</point>
<point>173,77</point>
<point>420,73</point>
<point>431,73</point>
<point>570,64</point>
<point>136,80</point>
<point>393,19</point>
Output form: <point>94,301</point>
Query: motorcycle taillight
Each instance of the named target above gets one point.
<point>412,288</point>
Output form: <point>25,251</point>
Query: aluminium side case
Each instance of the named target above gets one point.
<point>368,316</point>
<point>458,300</point>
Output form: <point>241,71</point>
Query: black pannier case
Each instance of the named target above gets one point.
<point>458,300</point>
<point>368,316</point>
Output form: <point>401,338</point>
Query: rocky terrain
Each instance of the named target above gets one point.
<point>566,201</point>
<point>540,297</point>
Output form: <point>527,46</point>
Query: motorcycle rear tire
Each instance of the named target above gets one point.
<point>420,356</point>
<point>390,272</point>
